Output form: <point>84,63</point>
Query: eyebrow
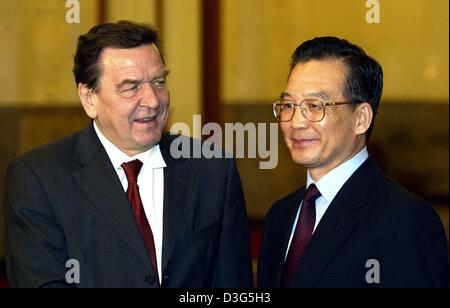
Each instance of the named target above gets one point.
<point>284,94</point>
<point>124,82</point>
<point>319,94</point>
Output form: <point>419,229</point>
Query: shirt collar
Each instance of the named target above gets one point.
<point>151,158</point>
<point>330,184</point>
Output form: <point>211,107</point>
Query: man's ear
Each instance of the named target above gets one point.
<point>364,115</point>
<point>88,100</point>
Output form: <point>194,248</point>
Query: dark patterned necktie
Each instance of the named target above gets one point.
<point>302,235</point>
<point>132,169</point>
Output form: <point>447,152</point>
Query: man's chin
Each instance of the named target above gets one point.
<point>149,142</point>
<point>301,159</point>
<point>148,146</point>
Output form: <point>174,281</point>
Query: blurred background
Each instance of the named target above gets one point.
<point>229,59</point>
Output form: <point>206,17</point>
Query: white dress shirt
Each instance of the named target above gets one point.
<point>151,185</point>
<point>329,185</point>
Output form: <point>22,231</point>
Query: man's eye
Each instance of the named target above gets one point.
<point>133,88</point>
<point>288,105</point>
<point>131,91</point>
<point>314,106</point>
<point>159,82</point>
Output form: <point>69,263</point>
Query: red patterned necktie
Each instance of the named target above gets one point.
<point>302,235</point>
<point>132,169</point>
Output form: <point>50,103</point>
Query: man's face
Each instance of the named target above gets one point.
<point>131,104</point>
<point>321,146</point>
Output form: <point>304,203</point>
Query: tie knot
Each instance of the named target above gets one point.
<point>312,193</point>
<point>132,169</point>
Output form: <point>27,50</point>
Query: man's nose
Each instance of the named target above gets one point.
<point>149,96</point>
<point>298,119</point>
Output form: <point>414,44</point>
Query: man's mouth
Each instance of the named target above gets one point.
<point>302,142</point>
<point>146,119</point>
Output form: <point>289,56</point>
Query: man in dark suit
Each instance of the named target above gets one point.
<point>350,226</point>
<point>110,206</point>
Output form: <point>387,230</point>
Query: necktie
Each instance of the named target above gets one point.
<point>302,235</point>
<point>132,169</point>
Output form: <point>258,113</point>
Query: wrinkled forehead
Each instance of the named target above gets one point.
<point>329,70</point>
<point>327,76</point>
<point>144,59</point>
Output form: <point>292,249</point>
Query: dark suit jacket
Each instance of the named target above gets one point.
<point>370,218</point>
<point>64,201</point>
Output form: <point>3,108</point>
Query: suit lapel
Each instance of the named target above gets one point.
<point>179,178</point>
<point>336,225</point>
<point>99,181</point>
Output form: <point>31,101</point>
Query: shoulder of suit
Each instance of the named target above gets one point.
<point>403,209</point>
<point>394,199</point>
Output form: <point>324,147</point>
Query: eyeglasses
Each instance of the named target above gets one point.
<point>312,109</point>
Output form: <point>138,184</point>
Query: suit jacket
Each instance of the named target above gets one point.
<point>64,201</point>
<point>373,226</point>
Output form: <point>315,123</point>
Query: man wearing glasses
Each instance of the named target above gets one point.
<point>350,226</point>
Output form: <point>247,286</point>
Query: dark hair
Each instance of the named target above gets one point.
<point>123,34</point>
<point>364,79</point>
